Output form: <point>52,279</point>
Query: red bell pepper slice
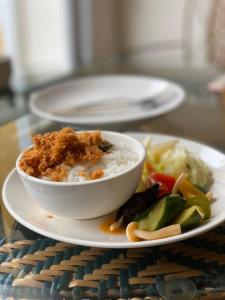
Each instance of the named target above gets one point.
<point>166,181</point>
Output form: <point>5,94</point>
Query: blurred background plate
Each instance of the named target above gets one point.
<point>107,101</point>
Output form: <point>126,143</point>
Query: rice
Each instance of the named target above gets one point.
<point>120,158</point>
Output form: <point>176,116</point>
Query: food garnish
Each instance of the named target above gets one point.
<point>54,153</point>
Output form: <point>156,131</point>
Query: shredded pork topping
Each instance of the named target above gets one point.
<point>54,153</point>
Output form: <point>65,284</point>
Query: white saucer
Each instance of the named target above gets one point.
<point>87,232</point>
<point>52,102</point>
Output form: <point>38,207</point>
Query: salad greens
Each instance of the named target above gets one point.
<point>173,159</point>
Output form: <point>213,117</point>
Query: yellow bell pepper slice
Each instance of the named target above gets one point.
<point>188,190</point>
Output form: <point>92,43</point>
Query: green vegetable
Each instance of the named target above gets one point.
<point>105,146</point>
<point>202,188</point>
<point>190,218</point>
<point>162,213</point>
<point>201,201</point>
<point>181,160</point>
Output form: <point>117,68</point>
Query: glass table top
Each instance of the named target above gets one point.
<point>201,117</point>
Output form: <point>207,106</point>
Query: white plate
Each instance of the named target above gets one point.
<point>87,232</point>
<point>92,89</point>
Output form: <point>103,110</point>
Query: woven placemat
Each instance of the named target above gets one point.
<point>48,269</point>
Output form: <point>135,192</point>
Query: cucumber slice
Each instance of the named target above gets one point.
<point>190,218</point>
<point>162,213</point>
<point>201,201</point>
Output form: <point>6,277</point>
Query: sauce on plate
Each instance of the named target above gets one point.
<point>104,227</point>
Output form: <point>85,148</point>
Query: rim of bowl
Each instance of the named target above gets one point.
<point>74,183</point>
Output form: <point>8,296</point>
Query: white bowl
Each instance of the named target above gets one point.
<point>88,199</point>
